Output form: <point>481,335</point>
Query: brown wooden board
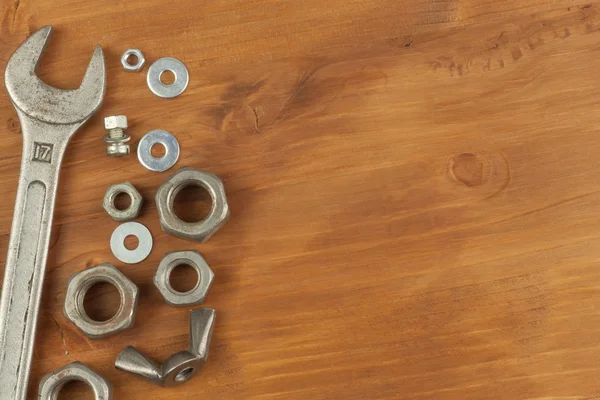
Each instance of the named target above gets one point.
<point>414,190</point>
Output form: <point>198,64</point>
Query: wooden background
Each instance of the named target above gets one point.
<point>414,186</point>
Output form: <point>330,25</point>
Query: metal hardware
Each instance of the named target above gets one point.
<point>134,208</point>
<point>181,366</point>
<point>162,278</point>
<point>116,138</point>
<point>80,284</point>
<point>51,384</point>
<point>178,69</point>
<point>199,231</point>
<point>138,65</point>
<point>158,137</point>
<point>49,117</point>
<point>117,242</point>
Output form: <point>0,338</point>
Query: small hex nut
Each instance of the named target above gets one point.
<point>134,208</point>
<point>133,67</point>
<point>115,122</point>
<point>198,231</point>
<point>78,286</point>
<point>51,384</point>
<point>162,278</point>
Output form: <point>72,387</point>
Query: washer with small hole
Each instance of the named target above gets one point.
<point>122,253</point>
<point>174,89</point>
<point>139,64</point>
<point>158,137</point>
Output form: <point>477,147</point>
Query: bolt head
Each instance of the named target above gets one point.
<point>115,122</point>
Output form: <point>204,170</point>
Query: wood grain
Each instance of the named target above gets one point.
<point>414,186</point>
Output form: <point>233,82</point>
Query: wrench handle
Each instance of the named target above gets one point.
<point>26,263</point>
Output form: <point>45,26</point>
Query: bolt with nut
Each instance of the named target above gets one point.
<point>116,137</point>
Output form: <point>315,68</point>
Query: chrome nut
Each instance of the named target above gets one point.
<point>134,208</point>
<point>168,264</point>
<point>81,282</point>
<point>135,67</point>
<point>199,231</point>
<point>52,383</point>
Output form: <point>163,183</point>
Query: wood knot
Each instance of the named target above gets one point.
<point>13,125</point>
<point>470,169</point>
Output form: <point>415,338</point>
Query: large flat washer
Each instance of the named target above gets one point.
<point>182,78</point>
<point>117,242</point>
<point>160,164</point>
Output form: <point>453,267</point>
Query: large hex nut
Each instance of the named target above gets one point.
<point>81,282</point>
<point>52,383</point>
<point>134,208</point>
<point>162,278</point>
<point>199,231</point>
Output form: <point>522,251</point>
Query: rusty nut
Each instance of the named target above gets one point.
<point>134,208</point>
<point>198,231</point>
<point>192,297</point>
<point>81,282</point>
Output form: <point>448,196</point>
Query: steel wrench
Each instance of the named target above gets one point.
<point>49,117</point>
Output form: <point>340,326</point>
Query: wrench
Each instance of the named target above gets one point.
<point>49,117</point>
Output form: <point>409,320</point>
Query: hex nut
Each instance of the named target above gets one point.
<point>51,384</point>
<point>198,231</point>
<point>134,208</point>
<point>78,286</point>
<point>115,122</point>
<point>133,67</point>
<point>192,297</point>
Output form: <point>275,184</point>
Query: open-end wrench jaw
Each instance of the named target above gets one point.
<point>36,99</point>
<point>49,117</point>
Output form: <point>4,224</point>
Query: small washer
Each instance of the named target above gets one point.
<point>178,68</point>
<point>170,144</point>
<point>117,242</point>
<point>133,67</point>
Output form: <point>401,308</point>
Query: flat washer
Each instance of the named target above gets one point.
<point>160,164</point>
<point>161,65</point>
<point>117,242</point>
